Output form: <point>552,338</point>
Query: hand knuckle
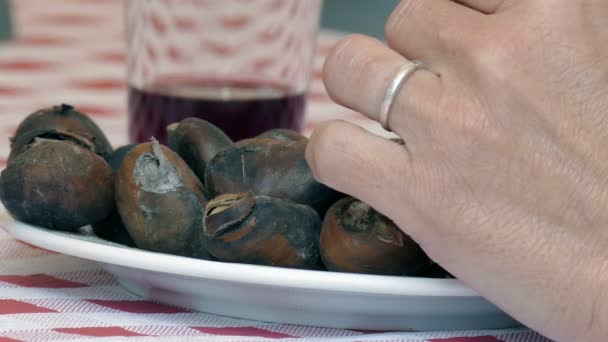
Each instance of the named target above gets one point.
<point>336,54</point>
<point>394,25</point>
<point>493,55</point>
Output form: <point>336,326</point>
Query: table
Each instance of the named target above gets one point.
<point>72,51</point>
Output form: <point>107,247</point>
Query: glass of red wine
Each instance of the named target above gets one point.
<point>243,65</point>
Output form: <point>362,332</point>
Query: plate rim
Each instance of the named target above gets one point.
<point>316,280</point>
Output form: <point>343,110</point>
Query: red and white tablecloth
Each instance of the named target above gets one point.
<point>72,51</point>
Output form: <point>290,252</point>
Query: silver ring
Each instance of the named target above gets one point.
<point>403,74</point>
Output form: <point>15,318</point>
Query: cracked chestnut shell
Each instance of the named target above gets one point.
<point>22,141</point>
<point>160,201</point>
<point>262,230</point>
<point>58,185</point>
<point>65,118</point>
<point>268,167</point>
<point>112,228</point>
<point>356,238</point>
<point>197,141</point>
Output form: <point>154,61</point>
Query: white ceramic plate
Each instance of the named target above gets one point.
<point>315,298</point>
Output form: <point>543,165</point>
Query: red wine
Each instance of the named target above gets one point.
<point>241,109</point>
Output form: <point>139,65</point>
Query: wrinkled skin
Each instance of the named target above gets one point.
<point>503,179</point>
<point>161,201</point>
<point>58,185</point>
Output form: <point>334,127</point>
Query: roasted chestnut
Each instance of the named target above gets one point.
<point>65,118</point>
<point>196,141</point>
<point>282,134</point>
<point>268,167</point>
<point>161,201</point>
<point>262,230</point>
<point>112,228</point>
<point>25,139</point>
<point>356,238</point>
<point>57,184</point>
<point>116,158</point>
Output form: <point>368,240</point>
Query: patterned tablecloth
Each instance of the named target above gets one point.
<point>72,51</point>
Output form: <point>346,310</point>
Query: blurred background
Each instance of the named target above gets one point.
<point>73,51</point>
<point>360,16</point>
<point>5,20</point>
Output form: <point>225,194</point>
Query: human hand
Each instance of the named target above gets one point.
<point>504,177</point>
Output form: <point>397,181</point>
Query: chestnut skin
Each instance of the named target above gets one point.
<point>65,118</point>
<point>268,167</point>
<point>23,141</point>
<point>261,230</point>
<point>355,238</point>
<point>112,228</point>
<point>197,141</point>
<point>58,185</point>
<point>282,134</point>
<point>161,201</point>
<point>116,158</point>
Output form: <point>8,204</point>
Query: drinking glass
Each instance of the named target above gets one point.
<point>243,65</point>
